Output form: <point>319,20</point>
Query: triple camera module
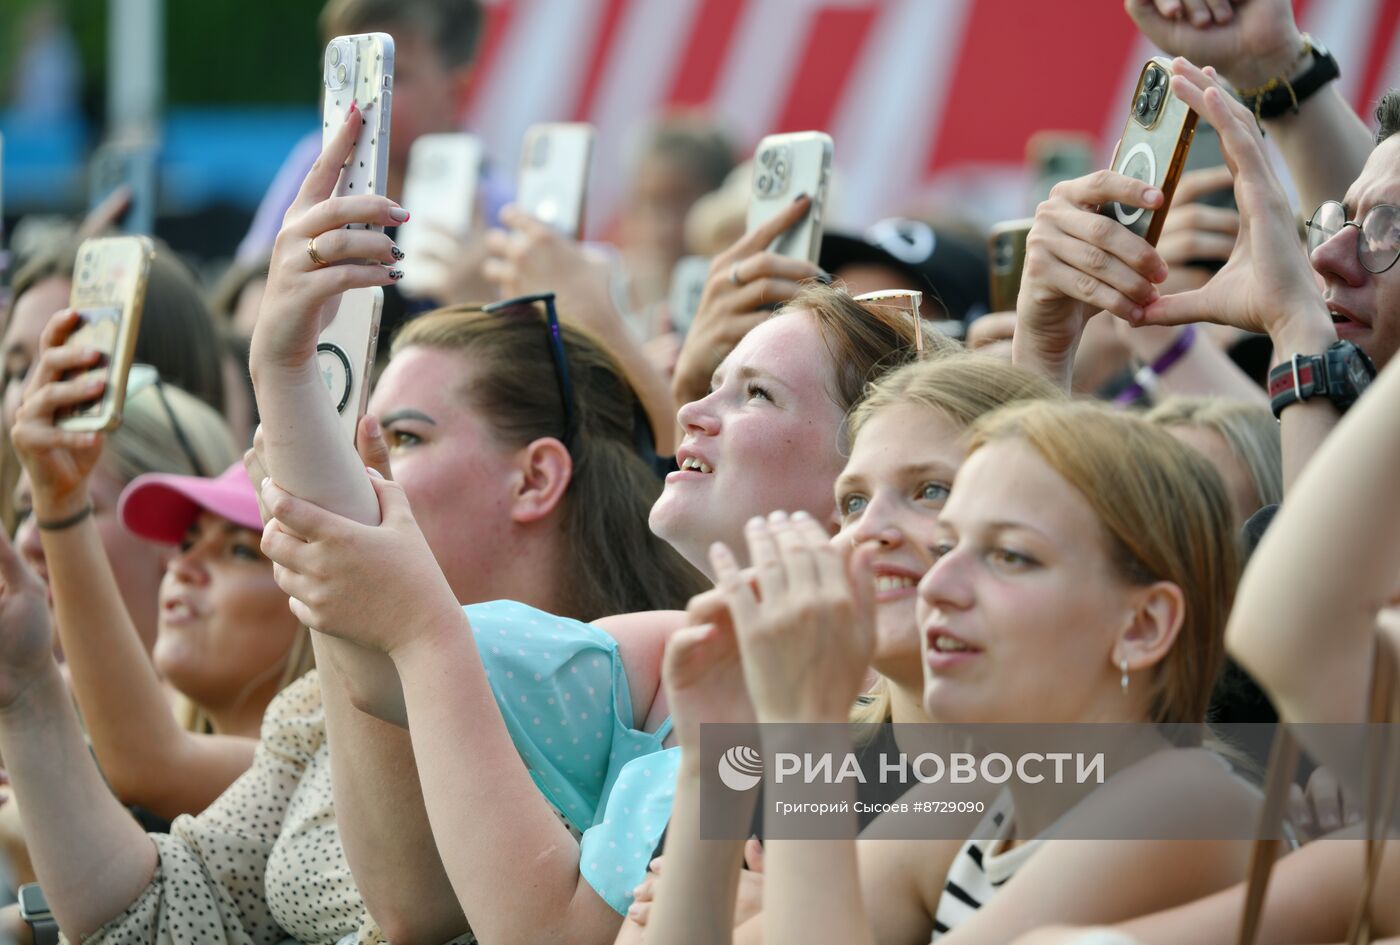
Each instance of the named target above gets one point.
<point>774,171</point>
<point>1148,104</point>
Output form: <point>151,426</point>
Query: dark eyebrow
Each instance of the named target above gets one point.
<point>406,414</point>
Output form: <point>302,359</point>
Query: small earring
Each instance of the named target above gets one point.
<point>1123,665</point>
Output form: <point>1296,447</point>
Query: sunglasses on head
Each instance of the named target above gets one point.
<point>528,306</point>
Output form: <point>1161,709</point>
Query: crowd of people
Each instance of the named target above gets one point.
<point>449,682</point>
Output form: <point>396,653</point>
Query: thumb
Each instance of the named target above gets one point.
<point>393,501</point>
<point>753,855</point>
<point>1182,308</point>
<point>373,448</point>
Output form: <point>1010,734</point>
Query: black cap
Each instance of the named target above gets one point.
<point>949,269</point>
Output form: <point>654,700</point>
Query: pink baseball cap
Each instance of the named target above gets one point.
<point>161,506</point>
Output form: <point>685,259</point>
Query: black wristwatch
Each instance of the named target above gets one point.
<point>34,910</point>
<point>1341,374</point>
<point>1283,95</point>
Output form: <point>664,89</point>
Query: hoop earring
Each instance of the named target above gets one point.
<point>1123,666</point>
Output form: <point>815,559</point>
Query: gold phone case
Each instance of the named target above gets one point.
<point>1153,148</point>
<point>109,291</point>
<point>1006,251</point>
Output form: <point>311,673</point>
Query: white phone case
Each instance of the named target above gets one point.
<point>345,353</point>
<point>359,70</point>
<point>440,186</point>
<point>554,162</point>
<point>784,167</point>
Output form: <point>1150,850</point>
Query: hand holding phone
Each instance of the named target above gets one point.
<point>358,72</point>
<point>1006,251</point>
<point>109,290</point>
<point>785,167</point>
<point>554,164</point>
<point>1153,148</point>
<point>443,170</point>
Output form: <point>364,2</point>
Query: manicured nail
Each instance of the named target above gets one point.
<point>1152,195</point>
<point>398,214</point>
<point>396,252</point>
<point>374,472</point>
<point>1200,17</point>
<point>776,517</point>
<point>396,274</point>
<point>1136,314</point>
<point>754,523</point>
<point>824,277</point>
<point>354,106</point>
<point>799,196</point>
<point>262,486</point>
<point>801,516</point>
<point>373,428</point>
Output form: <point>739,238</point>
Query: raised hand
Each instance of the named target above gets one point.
<point>702,673</point>
<point>1267,285</point>
<point>534,257</point>
<point>375,585</point>
<point>1079,262</point>
<point>26,637</point>
<point>806,631</point>
<point>302,291</point>
<point>743,279</point>
<point>1248,41</point>
<point>59,461</point>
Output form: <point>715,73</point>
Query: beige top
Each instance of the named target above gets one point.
<point>263,864</point>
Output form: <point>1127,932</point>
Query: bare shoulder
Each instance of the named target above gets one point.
<point>641,641</point>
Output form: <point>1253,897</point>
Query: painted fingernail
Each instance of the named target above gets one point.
<point>396,252</point>
<point>799,196</point>
<point>374,472</point>
<point>263,485</point>
<point>396,274</point>
<point>1152,195</point>
<point>1136,314</point>
<point>824,277</point>
<point>776,517</point>
<point>755,522</point>
<point>398,214</point>
<point>801,516</point>
<point>1200,17</point>
<point>354,106</point>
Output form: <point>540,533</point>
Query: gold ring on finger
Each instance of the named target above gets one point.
<point>315,256</point>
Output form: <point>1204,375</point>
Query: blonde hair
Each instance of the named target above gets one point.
<point>963,387</point>
<point>1250,431</point>
<point>866,340</point>
<point>149,441</point>
<point>1165,517</point>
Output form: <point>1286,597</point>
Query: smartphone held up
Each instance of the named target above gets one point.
<point>109,291</point>
<point>784,168</point>
<point>1153,148</point>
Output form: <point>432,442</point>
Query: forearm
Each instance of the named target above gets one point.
<point>1322,171</point>
<point>1028,355</point>
<point>484,808</point>
<point>1205,370</point>
<point>305,448</point>
<point>812,888</point>
<point>1304,426</point>
<point>695,899</point>
<point>393,858</point>
<point>124,704</point>
<point>91,856</point>
<point>1345,494</point>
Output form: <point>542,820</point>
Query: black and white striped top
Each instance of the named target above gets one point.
<point>981,867</point>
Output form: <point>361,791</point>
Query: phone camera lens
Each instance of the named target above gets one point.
<point>334,55</point>
<point>763,184</point>
<point>1143,106</point>
<point>1154,98</point>
<point>1153,79</point>
<point>766,158</point>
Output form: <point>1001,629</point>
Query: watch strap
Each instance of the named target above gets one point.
<point>45,931</point>
<point>1299,378</point>
<point>1282,95</point>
